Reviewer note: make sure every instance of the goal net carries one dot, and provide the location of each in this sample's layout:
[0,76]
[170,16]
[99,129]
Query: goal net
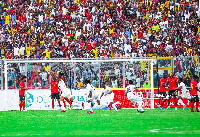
[114,72]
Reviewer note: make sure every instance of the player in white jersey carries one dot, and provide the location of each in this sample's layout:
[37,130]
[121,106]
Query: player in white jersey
[108,95]
[65,92]
[134,98]
[92,95]
[185,93]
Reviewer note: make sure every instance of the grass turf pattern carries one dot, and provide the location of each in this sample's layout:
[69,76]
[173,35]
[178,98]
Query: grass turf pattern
[125,122]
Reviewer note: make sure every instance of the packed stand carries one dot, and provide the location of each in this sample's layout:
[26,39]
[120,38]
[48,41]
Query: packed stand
[43,29]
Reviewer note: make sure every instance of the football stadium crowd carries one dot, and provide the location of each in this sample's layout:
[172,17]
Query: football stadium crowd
[42,29]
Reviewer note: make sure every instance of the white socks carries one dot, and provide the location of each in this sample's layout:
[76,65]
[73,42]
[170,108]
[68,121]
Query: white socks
[181,102]
[62,105]
[90,106]
[140,106]
[113,105]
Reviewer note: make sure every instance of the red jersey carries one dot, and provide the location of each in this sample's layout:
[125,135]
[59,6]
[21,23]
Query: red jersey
[21,85]
[162,80]
[193,88]
[172,82]
[54,87]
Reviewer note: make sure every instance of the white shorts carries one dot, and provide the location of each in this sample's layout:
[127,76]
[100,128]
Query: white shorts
[186,95]
[109,97]
[96,95]
[134,98]
[66,93]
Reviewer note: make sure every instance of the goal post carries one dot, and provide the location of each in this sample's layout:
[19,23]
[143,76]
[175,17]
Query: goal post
[108,70]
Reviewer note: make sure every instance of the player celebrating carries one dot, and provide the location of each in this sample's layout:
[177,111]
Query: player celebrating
[22,89]
[65,92]
[184,94]
[172,81]
[107,92]
[163,89]
[194,93]
[134,98]
[54,92]
[60,75]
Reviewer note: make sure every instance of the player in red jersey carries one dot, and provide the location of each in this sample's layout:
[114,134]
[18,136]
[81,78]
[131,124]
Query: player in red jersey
[194,93]
[54,91]
[22,89]
[172,82]
[163,90]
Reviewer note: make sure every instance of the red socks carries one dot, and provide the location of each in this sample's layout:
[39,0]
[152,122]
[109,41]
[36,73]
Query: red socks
[64,103]
[197,106]
[53,104]
[175,101]
[23,103]
[68,101]
[169,102]
[162,104]
[20,106]
[192,106]
[59,104]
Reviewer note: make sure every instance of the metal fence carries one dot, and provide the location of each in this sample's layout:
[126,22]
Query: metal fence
[115,74]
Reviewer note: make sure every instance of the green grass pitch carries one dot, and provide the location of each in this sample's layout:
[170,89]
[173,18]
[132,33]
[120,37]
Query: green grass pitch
[125,122]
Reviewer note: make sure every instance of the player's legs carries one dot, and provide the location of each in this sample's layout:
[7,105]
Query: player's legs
[111,98]
[52,99]
[62,104]
[139,102]
[192,103]
[197,103]
[20,102]
[58,99]
[90,102]
[175,102]
[163,99]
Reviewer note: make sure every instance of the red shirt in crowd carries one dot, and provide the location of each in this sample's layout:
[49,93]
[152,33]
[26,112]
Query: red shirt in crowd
[172,82]
[193,85]
[54,87]
[162,80]
[21,85]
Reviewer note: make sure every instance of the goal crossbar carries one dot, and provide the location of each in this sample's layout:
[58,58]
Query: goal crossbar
[6,62]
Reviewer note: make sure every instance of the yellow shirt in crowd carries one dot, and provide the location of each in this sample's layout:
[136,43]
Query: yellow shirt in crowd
[95,52]
[48,54]
[28,50]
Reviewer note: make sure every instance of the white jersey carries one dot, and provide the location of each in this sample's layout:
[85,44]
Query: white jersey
[133,98]
[90,88]
[62,85]
[107,90]
[64,90]
[183,89]
[130,89]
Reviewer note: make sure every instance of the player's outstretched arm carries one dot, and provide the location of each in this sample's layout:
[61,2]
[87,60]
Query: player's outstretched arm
[53,74]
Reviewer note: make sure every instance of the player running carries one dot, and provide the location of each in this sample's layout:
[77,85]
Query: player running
[22,89]
[54,91]
[194,93]
[184,93]
[134,98]
[65,92]
[92,95]
[163,90]
[172,81]
[109,95]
